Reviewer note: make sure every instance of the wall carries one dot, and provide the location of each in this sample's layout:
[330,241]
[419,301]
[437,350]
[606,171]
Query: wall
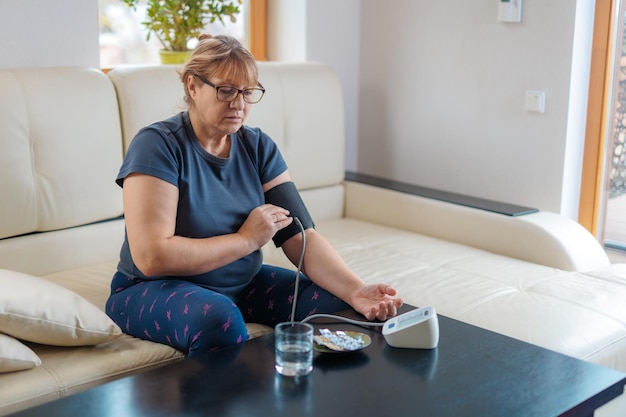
[442,88]
[439,99]
[44,33]
[324,31]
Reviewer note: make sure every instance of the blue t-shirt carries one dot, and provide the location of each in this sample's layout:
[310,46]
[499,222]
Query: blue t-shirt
[216,195]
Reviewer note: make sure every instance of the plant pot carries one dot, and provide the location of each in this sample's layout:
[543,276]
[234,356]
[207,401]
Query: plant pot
[174,57]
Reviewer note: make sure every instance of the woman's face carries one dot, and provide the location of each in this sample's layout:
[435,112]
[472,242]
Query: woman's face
[215,116]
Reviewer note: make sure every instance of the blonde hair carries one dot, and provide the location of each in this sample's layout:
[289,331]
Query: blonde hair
[223,57]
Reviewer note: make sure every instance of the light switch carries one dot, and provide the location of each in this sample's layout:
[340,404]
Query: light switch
[510,11]
[535,101]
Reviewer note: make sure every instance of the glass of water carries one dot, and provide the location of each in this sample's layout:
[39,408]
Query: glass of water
[294,348]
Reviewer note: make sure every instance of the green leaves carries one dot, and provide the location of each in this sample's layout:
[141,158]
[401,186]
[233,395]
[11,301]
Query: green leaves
[175,22]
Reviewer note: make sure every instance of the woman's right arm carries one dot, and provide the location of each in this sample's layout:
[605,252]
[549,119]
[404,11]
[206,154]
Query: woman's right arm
[150,210]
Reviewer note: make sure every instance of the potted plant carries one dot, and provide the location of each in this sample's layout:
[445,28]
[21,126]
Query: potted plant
[176,22]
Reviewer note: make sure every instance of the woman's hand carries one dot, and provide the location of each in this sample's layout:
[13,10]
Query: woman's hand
[376,301]
[263,222]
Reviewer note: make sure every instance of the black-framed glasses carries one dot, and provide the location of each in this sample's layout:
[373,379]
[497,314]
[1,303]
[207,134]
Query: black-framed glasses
[229,93]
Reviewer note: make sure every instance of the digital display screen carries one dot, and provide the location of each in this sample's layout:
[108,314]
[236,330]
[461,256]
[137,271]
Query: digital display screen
[410,319]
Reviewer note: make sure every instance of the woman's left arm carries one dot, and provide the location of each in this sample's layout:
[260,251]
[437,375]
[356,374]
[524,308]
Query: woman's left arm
[323,265]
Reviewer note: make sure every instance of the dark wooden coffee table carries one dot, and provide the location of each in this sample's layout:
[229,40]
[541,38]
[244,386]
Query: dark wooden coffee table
[473,372]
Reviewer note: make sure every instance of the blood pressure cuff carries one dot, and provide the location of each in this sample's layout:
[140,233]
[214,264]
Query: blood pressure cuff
[286,195]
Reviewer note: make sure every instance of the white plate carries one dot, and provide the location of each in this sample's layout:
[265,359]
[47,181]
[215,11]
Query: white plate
[356,335]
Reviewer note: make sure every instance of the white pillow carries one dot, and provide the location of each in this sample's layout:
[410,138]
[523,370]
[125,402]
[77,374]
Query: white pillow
[41,311]
[14,356]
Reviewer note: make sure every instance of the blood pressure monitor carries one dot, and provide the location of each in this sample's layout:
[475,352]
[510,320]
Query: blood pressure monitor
[416,329]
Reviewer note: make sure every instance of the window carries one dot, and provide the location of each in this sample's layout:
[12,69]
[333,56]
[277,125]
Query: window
[123,37]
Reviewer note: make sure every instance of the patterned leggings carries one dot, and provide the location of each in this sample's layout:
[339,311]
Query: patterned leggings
[195,320]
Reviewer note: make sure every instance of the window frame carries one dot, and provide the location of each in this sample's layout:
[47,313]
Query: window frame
[590,204]
[258,29]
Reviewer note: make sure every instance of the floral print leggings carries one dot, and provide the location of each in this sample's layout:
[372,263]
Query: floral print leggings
[196,320]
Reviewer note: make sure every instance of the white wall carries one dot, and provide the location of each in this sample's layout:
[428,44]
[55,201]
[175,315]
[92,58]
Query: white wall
[442,98]
[286,30]
[44,33]
[324,31]
[439,99]
[577,115]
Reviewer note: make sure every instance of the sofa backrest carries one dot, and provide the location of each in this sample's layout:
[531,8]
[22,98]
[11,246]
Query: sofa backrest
[61,147]
[302,110]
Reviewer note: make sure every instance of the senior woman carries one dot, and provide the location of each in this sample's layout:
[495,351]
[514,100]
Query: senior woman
[202,194]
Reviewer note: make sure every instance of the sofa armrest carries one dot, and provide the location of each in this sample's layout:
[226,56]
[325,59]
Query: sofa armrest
[538,237]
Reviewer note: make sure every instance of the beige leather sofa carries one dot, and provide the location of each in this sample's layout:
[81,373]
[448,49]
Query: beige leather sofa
[536,277]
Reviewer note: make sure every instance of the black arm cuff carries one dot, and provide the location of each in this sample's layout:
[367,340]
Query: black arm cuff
[286,195]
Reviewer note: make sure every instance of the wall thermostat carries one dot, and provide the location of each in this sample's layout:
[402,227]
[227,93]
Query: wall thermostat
[416,329]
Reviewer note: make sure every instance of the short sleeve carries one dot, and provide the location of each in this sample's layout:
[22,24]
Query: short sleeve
[152,152]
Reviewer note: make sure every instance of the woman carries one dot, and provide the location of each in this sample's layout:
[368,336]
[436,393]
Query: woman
[200,200]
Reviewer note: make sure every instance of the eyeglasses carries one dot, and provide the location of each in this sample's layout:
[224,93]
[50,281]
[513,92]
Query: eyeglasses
[228,93]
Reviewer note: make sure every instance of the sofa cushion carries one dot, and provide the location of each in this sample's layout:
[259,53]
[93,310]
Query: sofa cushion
[40,311]
[574,313]
[63,250]
[61,147]
[14,356]
[68,370]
